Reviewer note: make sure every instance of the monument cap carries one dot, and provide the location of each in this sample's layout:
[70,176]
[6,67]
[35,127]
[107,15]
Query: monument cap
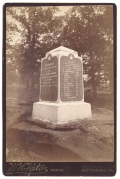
[61,49]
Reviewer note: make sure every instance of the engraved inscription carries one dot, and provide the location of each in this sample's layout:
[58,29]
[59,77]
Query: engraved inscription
[49,79]
[70,79]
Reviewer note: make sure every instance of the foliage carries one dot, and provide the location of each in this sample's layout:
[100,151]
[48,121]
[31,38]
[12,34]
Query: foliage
[32,31]
[35,26]
[89,30]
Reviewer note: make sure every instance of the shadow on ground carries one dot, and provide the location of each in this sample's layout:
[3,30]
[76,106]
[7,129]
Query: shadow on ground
[86,140]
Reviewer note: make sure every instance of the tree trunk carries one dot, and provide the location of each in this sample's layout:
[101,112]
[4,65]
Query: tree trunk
[111,86]
[93,82]
[30,81]
[27,81]
[99,77]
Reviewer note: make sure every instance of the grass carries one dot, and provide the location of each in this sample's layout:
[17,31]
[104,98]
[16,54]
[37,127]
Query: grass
[96,135]
[23,95]
[103,100]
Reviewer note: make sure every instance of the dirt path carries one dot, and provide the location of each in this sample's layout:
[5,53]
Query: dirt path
[87,140]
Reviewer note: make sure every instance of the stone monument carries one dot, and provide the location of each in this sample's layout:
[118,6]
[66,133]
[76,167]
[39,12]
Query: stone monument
[61,88]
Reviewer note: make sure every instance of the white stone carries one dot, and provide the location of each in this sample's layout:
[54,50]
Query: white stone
[61,112]
[62,51]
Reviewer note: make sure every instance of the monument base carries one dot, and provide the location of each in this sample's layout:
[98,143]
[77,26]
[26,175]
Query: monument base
[61,112]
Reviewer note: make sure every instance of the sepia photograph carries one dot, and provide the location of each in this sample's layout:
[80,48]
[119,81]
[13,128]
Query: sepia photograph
[59,89]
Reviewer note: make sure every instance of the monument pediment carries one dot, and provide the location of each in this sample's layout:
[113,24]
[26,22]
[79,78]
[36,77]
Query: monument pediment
[61,49]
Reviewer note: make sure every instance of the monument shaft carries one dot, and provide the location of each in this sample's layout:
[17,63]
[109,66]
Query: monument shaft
[61,88]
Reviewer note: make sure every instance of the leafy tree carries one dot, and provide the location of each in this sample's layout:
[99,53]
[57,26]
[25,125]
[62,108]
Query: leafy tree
[89,30]
[34,29]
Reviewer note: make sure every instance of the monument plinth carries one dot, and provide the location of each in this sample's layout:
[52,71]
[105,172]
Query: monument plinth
[61,88]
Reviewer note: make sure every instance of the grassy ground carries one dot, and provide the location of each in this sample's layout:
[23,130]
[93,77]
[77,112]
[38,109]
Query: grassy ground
[83,140]
[103,100]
